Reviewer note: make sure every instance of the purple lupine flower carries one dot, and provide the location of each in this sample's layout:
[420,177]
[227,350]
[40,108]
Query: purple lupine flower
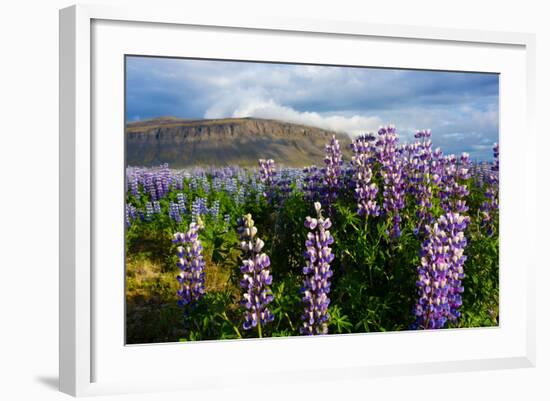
[131,214]
[441,271]
[198,208]
[489,207]
[205,185]
[452,188]
[217,184]
[365,191]
[332,172]
[182,200]
[214,210]
[191,264]
[312,181]
[419,177]
[164,178]
[127,217]
[259,191]
[230,186]
[194,183]
[149,185]
[156,207]
[296,175]
[231,183]
[284,183]
[256,279]
[159,187]
[178,181]
[239,199]
[481,172]
[256,186]
[174,212]
[198,179]
[133,179]
[267,171]
[267,176]
[348,172]
[392,173]
[457,245]
[317,273]
[149,212]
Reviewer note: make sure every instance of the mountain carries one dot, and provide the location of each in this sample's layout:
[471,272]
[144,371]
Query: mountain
[228,141]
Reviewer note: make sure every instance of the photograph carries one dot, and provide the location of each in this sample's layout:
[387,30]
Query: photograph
[271,199]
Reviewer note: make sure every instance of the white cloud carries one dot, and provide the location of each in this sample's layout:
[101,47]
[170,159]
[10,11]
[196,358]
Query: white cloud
[460,109]
[481,147]
[269,109]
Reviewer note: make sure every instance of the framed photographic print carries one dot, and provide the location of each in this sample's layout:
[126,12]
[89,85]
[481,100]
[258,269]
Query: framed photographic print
[337,199]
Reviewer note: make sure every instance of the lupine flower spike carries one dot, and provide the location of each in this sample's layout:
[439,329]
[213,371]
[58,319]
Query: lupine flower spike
[317,274]
[332,172]
[440,272]
[267,176]
[420,179]
[365,190]
[312,181]
[191,264]
[490,206]
[392,173]
[256,279]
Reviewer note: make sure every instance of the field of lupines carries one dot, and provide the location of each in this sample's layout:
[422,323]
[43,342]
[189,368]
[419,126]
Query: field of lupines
[400,237]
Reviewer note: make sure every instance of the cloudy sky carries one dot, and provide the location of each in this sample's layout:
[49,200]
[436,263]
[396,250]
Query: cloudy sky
[461,109]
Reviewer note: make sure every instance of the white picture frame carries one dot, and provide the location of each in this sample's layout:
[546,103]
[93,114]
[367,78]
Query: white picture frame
[94,360]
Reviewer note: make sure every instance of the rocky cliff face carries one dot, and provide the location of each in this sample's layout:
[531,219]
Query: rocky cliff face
[222,142]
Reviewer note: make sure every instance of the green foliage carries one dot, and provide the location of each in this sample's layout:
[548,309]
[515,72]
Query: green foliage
[286,306]
[373,286]
[338,322]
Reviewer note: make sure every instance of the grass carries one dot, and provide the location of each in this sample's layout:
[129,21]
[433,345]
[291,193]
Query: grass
[171,122]
[152,313]
[185,123]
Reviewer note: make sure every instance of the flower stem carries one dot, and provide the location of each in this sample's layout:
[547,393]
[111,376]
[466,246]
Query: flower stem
[259,326]
[235,328]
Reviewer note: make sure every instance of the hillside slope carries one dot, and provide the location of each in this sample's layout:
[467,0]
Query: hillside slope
[221,142]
